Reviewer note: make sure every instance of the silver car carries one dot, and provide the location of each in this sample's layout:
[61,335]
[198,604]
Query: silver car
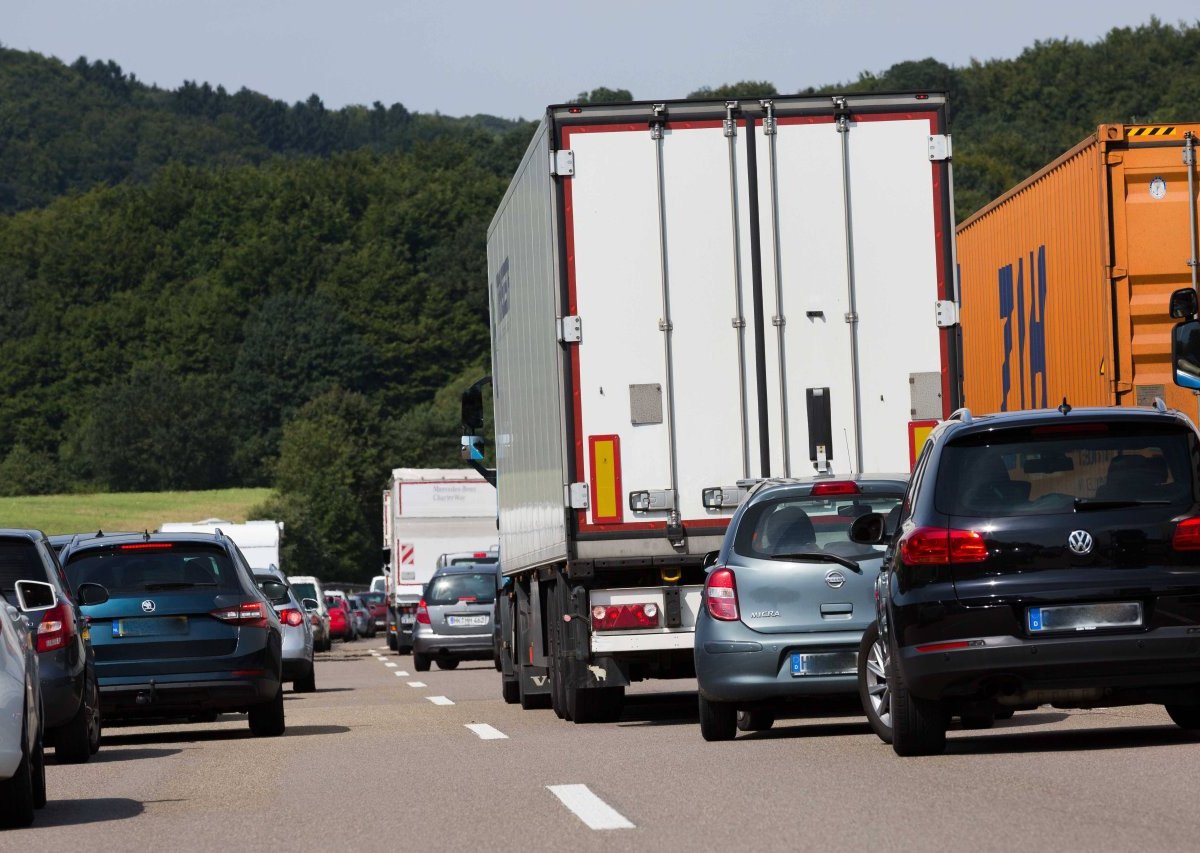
[298,666]
[788,599]
[454,618]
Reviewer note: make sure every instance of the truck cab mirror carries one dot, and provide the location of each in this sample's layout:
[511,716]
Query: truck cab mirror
[1185,353]
[472,408]
[1183,304]
[35,595]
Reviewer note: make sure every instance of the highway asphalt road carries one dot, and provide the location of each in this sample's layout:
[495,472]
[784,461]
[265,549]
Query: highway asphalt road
[385,758]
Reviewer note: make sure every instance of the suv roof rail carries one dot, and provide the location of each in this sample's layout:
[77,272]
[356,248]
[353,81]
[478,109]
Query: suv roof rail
[963,414]
[1159,404]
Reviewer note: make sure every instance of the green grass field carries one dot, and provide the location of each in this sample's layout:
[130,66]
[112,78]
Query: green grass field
[129,511]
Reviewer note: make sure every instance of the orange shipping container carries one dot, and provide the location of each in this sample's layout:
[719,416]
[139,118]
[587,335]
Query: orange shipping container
[1064,280]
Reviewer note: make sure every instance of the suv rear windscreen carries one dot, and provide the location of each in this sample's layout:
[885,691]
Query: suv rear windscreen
[150,567]
[1066,468]
[467,587]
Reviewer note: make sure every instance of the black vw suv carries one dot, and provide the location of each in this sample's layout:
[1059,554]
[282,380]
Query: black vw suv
[1039,557]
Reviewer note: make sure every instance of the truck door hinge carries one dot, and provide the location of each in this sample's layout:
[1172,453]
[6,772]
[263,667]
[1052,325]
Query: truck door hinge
[570,329]
[577,495]
[939,147]
[769,124]
[946,313]
[562,163]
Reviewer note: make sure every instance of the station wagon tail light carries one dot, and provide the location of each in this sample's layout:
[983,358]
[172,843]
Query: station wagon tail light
[616,617]
[939,546]
[249,614]
[837,487]
[291,616]
[1187,535]
[55,628]
[423,613]
[720,595]
[148,546]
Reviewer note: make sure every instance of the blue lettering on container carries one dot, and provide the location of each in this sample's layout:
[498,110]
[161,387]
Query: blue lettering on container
[1012,301]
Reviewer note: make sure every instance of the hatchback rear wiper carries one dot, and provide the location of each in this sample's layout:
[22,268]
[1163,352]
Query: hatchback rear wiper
[820,557]
[1084,504]
[174,585]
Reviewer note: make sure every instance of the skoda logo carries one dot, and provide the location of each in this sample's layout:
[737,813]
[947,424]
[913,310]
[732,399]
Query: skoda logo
[147,606]
[1080,541]
[835,579]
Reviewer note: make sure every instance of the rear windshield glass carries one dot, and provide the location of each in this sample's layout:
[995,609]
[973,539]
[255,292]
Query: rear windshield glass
[793,526]
[19,561]
[467,587]
[1066,468]
[332,603]
[132,569]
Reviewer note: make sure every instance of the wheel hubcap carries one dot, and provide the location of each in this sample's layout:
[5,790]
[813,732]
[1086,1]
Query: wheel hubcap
[877,684]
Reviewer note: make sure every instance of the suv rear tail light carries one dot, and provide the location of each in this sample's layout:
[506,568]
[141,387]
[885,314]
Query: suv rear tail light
[422,613]
[939,546]
[615,617]
[836,487]
[55,628]
[291,616]
[249,614]
[148,546]
[720,595]
[1187,535]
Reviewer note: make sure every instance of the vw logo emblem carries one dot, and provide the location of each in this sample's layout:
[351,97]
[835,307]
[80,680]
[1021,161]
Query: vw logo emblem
[147,606]
[835,579]
[1080,541]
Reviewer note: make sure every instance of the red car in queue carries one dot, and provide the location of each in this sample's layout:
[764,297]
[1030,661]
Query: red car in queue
[340,626]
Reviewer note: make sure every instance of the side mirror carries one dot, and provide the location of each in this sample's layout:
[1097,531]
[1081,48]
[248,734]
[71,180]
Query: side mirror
[1183,304]
[91,593]
[1185,353]
[35,595]
[869,529]
[472,408]
[311,604]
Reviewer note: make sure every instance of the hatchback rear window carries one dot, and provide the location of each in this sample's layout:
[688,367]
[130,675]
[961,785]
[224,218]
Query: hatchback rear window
[179,567]
[465,587]
[1066,468]
[791,526]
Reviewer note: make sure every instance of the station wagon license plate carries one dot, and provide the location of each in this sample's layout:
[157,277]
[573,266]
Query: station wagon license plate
[154,627]
[824,663]
[466,621]
[1084,617]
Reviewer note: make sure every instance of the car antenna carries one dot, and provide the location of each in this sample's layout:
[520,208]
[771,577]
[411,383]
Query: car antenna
[146,534]
[1065,408]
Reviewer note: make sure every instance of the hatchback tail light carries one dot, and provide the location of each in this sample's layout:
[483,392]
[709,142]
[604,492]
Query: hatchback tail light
[614,617]
[939,546]
[1187,535]
[55,629]
[291,616]
[720,595]
[249,614]
[422,613]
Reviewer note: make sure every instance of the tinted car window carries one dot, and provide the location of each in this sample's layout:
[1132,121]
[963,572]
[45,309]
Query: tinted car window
[467,586]
[796,525]
[374,598]
[305,590]
[125,569]
[18,562]
[1050,469]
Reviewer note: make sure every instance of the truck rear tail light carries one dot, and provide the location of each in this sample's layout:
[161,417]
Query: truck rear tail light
[940,546]
[1187,535]
[55,628]
[423,613]
[249,614]
[616,617]
[720,595]
[291,616]
[835,487]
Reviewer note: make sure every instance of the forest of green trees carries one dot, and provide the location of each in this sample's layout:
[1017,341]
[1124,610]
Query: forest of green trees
[201,289]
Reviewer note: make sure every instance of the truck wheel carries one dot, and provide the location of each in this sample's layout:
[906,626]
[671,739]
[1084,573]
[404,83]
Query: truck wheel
[266,720]
[1185,716]
[595,704]
[558,665]
[420,662]
[718,720]
[918,725]
[391,641]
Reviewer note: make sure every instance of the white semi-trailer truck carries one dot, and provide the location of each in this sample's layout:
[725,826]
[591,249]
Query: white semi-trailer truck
[687,297]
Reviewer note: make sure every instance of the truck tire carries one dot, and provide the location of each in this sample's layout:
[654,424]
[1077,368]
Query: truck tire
[718,720]
[595,704]
[391,641]
[558,664]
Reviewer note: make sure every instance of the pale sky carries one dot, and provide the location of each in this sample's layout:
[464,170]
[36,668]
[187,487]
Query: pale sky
[512,58]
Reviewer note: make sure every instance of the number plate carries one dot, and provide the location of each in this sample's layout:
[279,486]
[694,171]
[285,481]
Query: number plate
[406,618]
[466,621]
[824,663]
[1084,617]
[154,627]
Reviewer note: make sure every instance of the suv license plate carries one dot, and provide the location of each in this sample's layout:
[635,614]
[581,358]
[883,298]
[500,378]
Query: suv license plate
[824,663]
[466,621]
[1084,617]
[155,626]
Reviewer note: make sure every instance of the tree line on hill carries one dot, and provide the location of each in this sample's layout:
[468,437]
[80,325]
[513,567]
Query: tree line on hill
[201,289]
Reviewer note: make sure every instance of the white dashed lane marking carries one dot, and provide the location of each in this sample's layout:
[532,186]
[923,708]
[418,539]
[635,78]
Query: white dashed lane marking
[589,808]
[402,673]
[416,684]
[439,700]
[487,732]
[391,665]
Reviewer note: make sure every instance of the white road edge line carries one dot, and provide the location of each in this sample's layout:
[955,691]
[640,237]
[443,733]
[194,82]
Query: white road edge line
[589,808]
[416,684]
[487,732]
[402,673]
[439,700]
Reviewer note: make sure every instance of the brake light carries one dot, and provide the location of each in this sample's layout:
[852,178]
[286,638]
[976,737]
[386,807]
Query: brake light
[837,487]
[148,546]
[944,647]
[614,617]
[468,598]
[55,628]
[939,546]
[1187,535]
[720,595]
[422,613]
[291,616]
[250,614]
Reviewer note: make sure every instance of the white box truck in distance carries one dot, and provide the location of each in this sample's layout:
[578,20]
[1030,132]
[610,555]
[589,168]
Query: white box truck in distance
[687,297]
[428,512]
[258,539]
